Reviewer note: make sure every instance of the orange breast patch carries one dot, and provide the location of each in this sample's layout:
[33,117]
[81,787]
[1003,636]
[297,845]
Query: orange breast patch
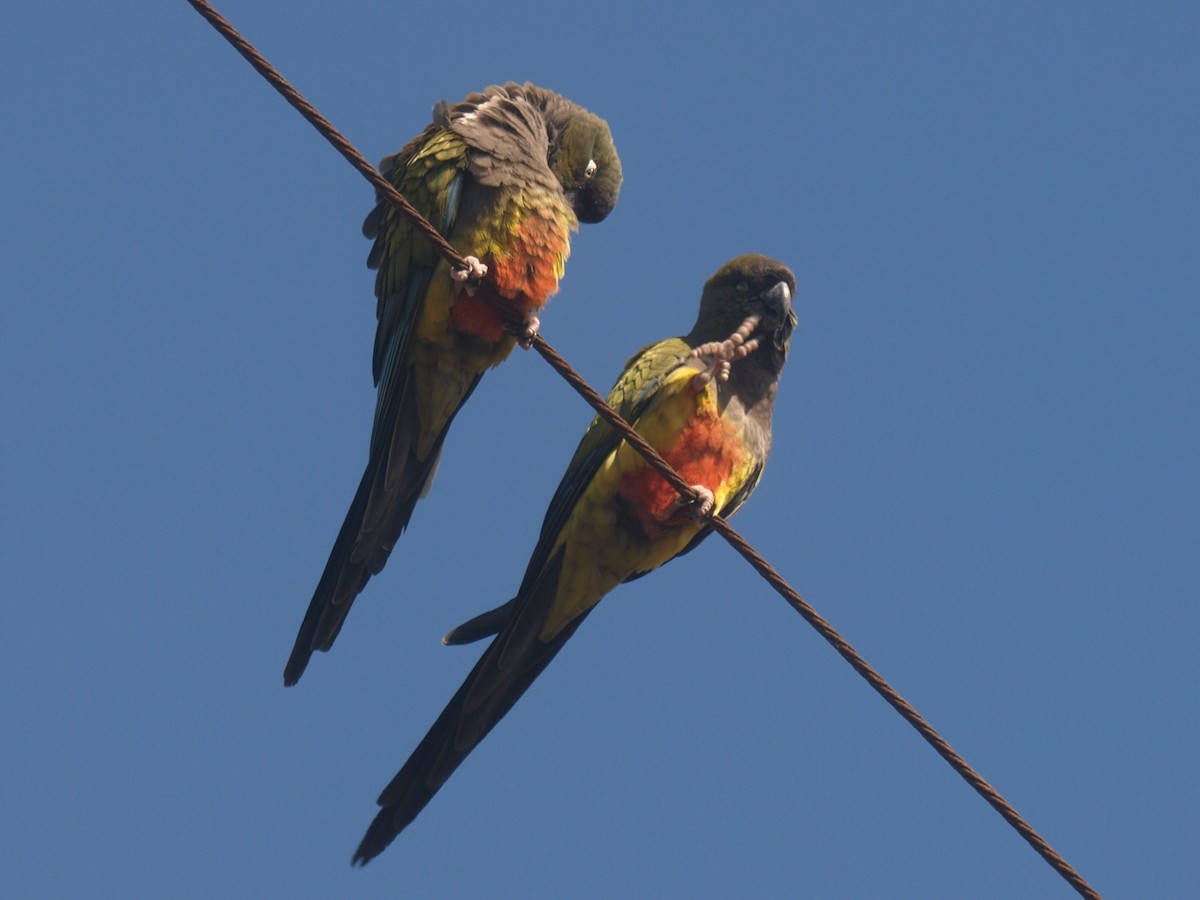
[527,274]
[704,453]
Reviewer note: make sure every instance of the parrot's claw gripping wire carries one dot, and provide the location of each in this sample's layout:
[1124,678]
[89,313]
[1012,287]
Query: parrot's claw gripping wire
[698,507]
[469,275]
[527,330]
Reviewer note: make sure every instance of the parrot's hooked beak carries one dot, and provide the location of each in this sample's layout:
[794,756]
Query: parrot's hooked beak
[588,209]
[778,300]
[780,318]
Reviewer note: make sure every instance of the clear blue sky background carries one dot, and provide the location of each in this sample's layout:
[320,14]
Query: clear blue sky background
[985,470]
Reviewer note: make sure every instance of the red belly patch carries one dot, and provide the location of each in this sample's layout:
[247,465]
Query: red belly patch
[475,316]
[704,453]
[526,276]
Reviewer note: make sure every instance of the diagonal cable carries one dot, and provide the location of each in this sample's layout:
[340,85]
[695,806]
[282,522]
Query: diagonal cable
[325,127]
[827,631]
[660,465]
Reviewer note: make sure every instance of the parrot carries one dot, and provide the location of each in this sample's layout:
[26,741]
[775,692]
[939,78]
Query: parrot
[506,175]
[704,401]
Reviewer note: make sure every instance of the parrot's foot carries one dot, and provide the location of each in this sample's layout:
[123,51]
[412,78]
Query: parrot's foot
[468,276]
[700,507]
[723,354]
[527,330]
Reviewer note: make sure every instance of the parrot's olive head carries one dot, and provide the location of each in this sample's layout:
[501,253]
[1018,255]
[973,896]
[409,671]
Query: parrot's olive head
[749,285]
[587,166]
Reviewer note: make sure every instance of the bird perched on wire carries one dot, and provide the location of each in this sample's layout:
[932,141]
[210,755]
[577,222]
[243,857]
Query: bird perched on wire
[704,401]
[506,175]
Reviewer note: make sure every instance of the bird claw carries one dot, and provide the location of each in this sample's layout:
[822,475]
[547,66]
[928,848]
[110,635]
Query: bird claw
[698,507]
[527,330]
[468,276]
[722,355]
[717,370]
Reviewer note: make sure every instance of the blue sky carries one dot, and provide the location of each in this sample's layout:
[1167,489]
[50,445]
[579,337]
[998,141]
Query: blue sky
[984,472]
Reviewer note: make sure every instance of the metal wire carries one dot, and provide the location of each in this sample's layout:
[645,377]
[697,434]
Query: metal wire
[660,465]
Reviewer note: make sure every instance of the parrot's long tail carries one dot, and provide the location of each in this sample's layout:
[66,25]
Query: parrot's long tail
[395,479]
[387,494]
[357,555]
[510,664]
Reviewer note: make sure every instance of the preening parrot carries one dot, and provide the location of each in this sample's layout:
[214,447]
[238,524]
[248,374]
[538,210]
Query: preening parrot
[506,175]
[704,401]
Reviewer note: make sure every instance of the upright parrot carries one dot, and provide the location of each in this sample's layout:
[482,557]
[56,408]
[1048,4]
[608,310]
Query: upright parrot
[704,401]
[506,175]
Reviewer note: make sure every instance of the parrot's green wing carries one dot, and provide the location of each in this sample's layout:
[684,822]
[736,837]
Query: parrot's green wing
[630,397]
[429,172]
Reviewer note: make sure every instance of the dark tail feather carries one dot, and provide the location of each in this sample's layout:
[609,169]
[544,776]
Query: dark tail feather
[394,481]
[340,583]
[504,672]
[483,625]
[350,566]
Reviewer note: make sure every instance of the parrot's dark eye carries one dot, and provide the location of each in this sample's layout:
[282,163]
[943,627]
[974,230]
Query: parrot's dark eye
[590,169]
[742,287]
